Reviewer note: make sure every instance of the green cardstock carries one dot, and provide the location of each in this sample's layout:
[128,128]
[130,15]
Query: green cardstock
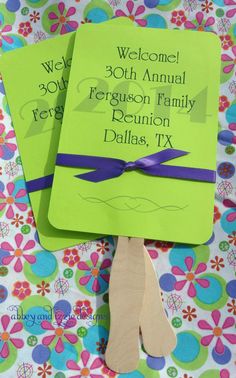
[138,91]
[35,80]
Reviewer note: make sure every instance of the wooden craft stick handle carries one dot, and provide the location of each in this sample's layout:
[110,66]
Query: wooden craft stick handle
[126,291]
[159,338]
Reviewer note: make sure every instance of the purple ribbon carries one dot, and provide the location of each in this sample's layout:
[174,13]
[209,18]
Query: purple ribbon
[107,168]
[39,183]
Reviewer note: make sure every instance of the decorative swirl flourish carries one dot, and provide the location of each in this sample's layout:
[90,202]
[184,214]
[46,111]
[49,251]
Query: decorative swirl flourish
[128,203]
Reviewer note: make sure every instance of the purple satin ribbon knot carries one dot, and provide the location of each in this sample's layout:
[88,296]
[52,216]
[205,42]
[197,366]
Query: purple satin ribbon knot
[108,168]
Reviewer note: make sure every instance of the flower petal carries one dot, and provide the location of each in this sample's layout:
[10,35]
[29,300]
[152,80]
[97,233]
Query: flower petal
[83,266]
[177,271]
[5,351]
[71,322]
[230,337]
[210,21]
[84,280]
[52,16]
[63,29]
[18,343]
[10,188]
[192,290]
[120,13]
[10,212]
[141,22]
[130,6]
[47,340]
[219,347]
[61,7]
[47,325]
[180,284]
[139,10]
[203,282]
[10,134]
[96,285]
[17,327]
[5,320]
[189,25]
[18,240]
[7,259]
[29,245]
[97,363]
[2,128]
[229,322]
[7,246]
[54,27]
[18,265]
[226,58]
[31,259]
[72,365]
[11,146]
[216,316]
[94,258]
[2,205]
[71,11]
[21,206]
[71,338]
[203,324]
[199,17]
[105,277]
[85,355]
[59,346]
[200,268]
[105,264]
[189,262]
[228,68]
[73,24]
[8,39]
[206,340]
[21,193]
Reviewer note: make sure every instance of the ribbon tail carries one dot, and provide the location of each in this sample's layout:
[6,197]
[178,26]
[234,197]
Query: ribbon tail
[186,173]
[100,175]
[39,183]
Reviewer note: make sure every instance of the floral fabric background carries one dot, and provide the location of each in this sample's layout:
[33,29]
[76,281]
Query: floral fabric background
[54,306]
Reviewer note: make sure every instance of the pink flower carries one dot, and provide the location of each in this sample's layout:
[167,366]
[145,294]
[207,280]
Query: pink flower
[3,35]
[230,13]
[130,7]
[226,41]
[228,58]
[190,276]
[12,199]
[25,28]
[217,331]
[7,149]
[85,367]
[202,25]
[59,331]
[95,276]
[21,290]
[18,253]
[178,17]
[6,337]
[62,20]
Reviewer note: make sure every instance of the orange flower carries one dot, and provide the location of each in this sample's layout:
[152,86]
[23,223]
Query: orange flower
[189,313]
[217,263]
[217,214]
